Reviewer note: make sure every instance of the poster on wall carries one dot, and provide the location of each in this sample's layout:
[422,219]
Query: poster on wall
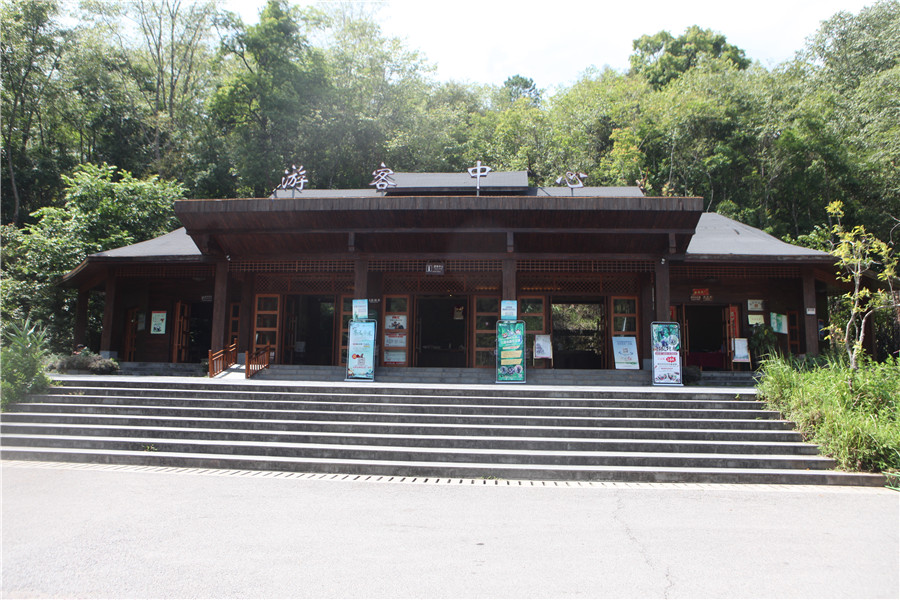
[361,351]
[395,340]
[665,343]
[395,321]
[510,351]
[625,352]
[778,323]
[394,357]
[158,322]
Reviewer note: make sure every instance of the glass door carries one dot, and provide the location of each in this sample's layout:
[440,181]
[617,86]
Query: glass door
[266,322]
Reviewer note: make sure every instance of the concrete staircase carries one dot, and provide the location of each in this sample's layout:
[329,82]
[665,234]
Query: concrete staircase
[442,430]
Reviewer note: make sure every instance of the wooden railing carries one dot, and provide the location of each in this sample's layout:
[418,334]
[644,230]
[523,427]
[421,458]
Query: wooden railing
[257,361]
[221,360]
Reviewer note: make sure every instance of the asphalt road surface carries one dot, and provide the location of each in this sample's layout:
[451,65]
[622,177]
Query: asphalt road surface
[125,532]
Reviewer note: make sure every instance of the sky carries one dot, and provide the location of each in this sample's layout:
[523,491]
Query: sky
[554,41]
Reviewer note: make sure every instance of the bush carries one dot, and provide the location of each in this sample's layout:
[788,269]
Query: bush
[854,415]
[22,358]
[85,361]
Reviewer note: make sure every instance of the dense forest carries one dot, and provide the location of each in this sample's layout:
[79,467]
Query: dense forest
[159,99]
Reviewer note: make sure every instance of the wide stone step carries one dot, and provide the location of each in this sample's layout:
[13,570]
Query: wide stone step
[423,454]
[406,428]
[124,395]
[622,444]
[450,470]
[430,405]
[629,418]
[460,390]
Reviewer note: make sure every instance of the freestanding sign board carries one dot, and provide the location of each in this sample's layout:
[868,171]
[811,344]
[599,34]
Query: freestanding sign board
[510,351]
[361,350]
[625,352]
[665,343]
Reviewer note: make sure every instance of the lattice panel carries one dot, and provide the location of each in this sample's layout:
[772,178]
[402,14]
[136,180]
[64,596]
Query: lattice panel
[304,285]
[598,286]
[418,266]
[166,271]
[291,266]
[735,272]
[585,266]
[428,284]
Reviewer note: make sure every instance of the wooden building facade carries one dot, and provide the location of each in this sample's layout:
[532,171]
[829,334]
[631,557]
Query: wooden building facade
[435,254]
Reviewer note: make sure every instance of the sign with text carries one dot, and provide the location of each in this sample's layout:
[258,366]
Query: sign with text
[158,322]
[361,351]
[542,346]
[665,343]
[510,351]
[361,309]
[625,352]
[509,310]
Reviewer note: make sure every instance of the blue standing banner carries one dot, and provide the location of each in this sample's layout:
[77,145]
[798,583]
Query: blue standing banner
[361,350]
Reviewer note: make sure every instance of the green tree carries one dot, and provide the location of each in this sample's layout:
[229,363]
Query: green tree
[30,51]
[860,255]
[105,208]
[277,80]
[662,58]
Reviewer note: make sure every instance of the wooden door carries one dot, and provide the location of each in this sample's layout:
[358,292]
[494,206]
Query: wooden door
[732,326]
[181,332]
[128,347]
[266,322]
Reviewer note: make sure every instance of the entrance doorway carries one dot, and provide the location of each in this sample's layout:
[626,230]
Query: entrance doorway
[441,331]
[309,330]
[200,327]
[706,337]
[579,333]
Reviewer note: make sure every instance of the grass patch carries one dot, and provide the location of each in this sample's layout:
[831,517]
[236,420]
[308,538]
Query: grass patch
[854,415]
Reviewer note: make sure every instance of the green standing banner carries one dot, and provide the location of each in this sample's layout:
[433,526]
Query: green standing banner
[510,351]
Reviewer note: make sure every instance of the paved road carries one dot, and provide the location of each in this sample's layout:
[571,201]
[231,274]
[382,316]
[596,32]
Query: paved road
[102,531]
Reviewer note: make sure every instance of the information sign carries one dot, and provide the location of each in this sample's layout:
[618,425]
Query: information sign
[361,309]
[510,351]
[158,322]
[542,346]
[665,343]
[509,310]
[361,350]
[625,352]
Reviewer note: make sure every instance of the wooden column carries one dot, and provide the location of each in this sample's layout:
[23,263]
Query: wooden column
[662,290]
[81,316]
[810,321]
[509,279]
[109,313]
[248,293]
[220,307]
[361,279]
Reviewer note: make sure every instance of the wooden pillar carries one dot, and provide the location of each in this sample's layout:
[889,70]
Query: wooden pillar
[662,290]
[810,321]
[81,316]
[361,279]
[509,279]
[109,314]
[220,307]
[245,330]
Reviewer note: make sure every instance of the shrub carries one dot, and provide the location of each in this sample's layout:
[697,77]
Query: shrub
[85,361]
[854,415]
[22,358]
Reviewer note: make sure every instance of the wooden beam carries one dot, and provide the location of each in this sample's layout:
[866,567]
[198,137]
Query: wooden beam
[810,321]
[360,278]
[220,307]
[197,233]
[510,242]
[662,290]
[509,279]
[109,313]
[81,315]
